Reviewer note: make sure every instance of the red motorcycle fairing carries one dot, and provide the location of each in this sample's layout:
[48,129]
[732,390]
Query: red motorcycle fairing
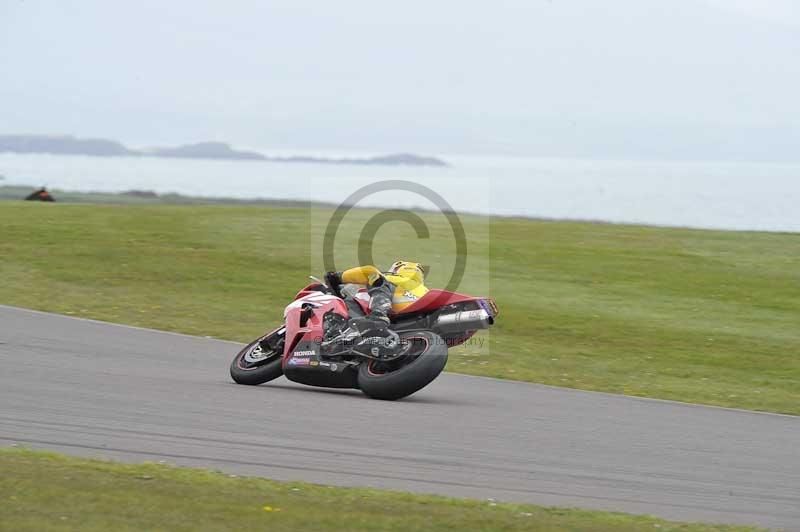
[309,289]
[303,318]
[435,299]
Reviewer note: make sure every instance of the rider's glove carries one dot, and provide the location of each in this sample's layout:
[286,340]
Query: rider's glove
[333,280]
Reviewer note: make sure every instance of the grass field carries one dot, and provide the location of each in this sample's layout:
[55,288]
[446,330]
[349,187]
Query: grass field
[45,491]
[700,316]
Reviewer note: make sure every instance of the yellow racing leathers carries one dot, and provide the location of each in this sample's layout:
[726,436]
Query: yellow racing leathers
[394,290]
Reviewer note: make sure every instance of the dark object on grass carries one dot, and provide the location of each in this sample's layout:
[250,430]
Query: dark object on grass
[40,195]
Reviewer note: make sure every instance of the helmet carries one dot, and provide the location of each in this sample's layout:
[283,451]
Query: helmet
[409,270]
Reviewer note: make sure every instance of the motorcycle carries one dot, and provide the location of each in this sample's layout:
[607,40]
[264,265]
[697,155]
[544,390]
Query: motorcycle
[320,345]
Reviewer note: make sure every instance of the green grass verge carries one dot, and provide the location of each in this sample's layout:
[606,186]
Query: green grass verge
[42,491]
[700,316]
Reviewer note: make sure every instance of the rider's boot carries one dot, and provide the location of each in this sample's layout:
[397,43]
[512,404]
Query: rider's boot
[377,321]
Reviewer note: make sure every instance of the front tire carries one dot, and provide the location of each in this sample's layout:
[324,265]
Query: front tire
[381,380]
[260,360]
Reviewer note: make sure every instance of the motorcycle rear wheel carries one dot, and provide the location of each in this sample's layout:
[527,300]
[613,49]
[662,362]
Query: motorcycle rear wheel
[408,374]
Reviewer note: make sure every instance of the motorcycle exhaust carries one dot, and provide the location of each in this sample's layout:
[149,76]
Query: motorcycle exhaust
[466,320]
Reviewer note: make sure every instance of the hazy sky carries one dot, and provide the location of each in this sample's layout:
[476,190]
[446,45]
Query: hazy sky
[625,78]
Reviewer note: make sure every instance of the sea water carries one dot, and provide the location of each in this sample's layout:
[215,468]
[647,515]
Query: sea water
[721,195]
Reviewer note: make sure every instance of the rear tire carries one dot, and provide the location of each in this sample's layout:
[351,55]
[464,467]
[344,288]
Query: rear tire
[409,378]
[252,374]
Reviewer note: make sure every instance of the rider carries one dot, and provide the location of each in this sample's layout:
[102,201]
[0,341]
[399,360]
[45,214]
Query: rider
[394,290]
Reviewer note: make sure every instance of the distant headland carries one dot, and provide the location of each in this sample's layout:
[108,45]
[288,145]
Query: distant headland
[69,145]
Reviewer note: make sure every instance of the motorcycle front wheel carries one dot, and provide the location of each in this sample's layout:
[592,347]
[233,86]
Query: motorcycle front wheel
[260,360]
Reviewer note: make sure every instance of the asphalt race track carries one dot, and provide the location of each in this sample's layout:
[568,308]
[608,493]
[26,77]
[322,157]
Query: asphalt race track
[103,390]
